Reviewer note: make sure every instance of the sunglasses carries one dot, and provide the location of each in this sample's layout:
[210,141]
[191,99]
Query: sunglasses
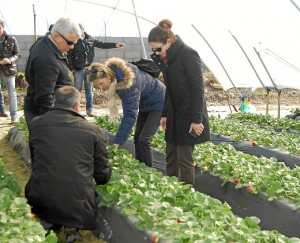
[69,43]
[158,49]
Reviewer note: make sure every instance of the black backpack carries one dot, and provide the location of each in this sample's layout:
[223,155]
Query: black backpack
[148,66]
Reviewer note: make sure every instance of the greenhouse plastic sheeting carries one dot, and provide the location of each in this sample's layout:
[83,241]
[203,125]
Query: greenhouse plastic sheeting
[276,215]
[114,227]
[290,160]
[18,141]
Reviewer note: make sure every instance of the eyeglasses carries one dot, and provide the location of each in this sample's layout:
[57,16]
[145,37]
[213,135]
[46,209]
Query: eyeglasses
[158,49]
[69,43]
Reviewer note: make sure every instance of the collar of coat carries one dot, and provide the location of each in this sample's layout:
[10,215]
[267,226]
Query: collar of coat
[124,74]
[66,108]
[173,51]
[55,48]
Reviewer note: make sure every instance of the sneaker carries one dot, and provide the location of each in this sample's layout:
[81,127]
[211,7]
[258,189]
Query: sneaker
[14,119]
[89,113]
[3,114]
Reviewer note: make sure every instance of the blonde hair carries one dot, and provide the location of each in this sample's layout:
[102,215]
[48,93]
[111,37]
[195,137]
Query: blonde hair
[98,70]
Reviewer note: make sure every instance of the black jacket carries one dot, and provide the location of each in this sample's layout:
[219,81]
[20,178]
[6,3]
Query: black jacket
[184,101]
[83,53]
[67,152]
[9,48]
[46,70]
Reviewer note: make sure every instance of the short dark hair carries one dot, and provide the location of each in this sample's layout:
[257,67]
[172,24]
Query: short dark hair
[67,95]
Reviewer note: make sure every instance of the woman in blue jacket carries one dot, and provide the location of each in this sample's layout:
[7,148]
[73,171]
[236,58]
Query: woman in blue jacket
[142,99]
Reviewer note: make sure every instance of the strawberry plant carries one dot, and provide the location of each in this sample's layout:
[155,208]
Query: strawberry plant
[266,120]
[172,211]
[266,175]
[17,225]
[263,136]
[21,125]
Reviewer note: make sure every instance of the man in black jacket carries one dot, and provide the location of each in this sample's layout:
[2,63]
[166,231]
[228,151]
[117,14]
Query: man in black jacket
[46,68]
[82,56]
[67,153]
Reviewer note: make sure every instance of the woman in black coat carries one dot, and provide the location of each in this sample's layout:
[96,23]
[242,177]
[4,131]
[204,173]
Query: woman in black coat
[184,117]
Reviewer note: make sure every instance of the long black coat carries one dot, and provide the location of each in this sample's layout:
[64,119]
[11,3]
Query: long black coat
[184,102]
[67,152]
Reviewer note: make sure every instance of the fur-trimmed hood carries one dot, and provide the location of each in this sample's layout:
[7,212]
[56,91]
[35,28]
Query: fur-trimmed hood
[124,74]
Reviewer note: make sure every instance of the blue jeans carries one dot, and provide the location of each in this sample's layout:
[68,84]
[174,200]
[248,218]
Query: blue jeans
[146,126]
[79,78]
[2,107]
[12,95]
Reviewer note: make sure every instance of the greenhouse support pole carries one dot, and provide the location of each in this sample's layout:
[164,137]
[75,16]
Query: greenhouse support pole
[141,37]
[267,105]
[248,59]
[235,109]
[265,67]
[250,63]
[34,24]
[279,101]
[274,84]
[296,6]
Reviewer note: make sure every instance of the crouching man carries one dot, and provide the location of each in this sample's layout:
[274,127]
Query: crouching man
[67,153]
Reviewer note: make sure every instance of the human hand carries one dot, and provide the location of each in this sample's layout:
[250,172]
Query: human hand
[197,127]
[116,145]
[120,45]
[6,61]
[163,123]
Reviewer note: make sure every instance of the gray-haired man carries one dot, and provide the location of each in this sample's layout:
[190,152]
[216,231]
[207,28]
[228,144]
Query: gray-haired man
[46,68]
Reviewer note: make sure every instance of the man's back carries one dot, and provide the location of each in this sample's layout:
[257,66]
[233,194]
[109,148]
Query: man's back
[67,153]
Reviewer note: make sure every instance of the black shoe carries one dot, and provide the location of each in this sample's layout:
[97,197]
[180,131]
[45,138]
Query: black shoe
[49,226]
[3,114]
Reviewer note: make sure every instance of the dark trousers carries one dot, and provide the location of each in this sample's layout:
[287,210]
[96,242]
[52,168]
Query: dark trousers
[146,127]
[180,162]
[29,116]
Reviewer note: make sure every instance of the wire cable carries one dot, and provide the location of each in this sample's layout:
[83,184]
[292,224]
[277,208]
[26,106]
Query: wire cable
[280,59]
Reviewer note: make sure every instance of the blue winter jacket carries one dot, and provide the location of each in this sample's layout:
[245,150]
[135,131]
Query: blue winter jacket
[138,91]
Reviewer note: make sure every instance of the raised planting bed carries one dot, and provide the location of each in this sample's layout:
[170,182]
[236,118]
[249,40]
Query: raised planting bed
[171,211]
[268,197]
[257,141]
[253,148]
[265,121]
[164,210]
